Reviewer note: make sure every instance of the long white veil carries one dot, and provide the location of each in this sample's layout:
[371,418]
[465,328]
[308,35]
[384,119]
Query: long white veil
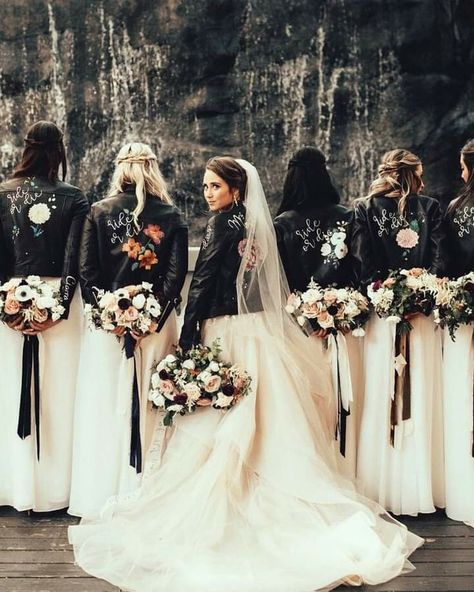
[262,287]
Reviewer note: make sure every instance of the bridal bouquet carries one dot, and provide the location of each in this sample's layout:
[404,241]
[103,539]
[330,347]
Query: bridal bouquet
[331,309]
[404,292]
[455,303]
[133,307]
[197,378]
[31,298]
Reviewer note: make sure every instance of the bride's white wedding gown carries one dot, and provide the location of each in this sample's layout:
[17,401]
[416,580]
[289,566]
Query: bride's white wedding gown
[246,501]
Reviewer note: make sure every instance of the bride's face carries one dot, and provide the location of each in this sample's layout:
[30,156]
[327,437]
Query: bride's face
[217,192]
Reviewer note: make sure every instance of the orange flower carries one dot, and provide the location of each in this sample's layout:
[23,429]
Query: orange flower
[154,232]
[132,247]
[147,259]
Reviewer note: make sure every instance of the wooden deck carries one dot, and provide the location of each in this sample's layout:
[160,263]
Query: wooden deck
[36,557]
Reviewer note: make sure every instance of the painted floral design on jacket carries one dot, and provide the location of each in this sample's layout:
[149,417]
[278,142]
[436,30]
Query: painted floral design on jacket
[334,247]
[143,255]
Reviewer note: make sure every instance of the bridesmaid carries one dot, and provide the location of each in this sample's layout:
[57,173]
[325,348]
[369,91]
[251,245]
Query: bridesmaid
[458,357]
[405,476]
[41,220]
[110,438]
[313,232]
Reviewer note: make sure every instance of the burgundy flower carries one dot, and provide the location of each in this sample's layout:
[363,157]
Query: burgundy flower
[180,399]
[124,303]
[163,375]
[377,285]
[228,390]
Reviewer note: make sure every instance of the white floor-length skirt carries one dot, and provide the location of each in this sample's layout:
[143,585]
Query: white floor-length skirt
[102,423]
[244,500]
[458,367]
[407,478]
[25,482]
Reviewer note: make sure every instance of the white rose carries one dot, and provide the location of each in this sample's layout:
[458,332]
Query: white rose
[108,300]
[351,309]
[189,364]
[55,316]
[108,327]
[170,359]
[338,237]
[290,309]
[359,332]
[138,301]
[193,391]
[214,367]
[33,280]
[147,286]
[222,401]
[393,319]
[45,302]
[203,376]
[47,290]
[311,295]
[39,213]
[326,250]
[155,380]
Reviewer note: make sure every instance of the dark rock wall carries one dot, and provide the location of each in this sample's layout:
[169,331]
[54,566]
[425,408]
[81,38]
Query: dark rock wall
[256,78]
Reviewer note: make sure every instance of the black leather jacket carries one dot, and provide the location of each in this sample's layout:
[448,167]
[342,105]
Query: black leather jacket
[115,253]
[212,292]
[384,240]
[40,230]
[314,244]
[460,231]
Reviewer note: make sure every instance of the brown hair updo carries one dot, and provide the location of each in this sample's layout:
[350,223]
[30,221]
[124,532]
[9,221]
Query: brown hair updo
[398,177]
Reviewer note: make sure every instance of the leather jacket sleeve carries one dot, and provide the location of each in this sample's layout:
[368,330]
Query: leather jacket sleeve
[362,256]
[89,267]
[3,262]
[175,273]
[70,271]
[438,241]
[204,277]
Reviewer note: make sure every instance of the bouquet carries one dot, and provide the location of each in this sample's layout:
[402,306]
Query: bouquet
[133,307]
[455,303]
[31,298]
[403,293]
[331,309]
[197,378]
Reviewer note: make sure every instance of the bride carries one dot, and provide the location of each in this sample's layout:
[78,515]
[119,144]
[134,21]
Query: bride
[248,500]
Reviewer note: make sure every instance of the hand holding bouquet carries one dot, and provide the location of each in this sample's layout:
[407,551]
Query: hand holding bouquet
[330,309]
[30,299]
[197,378]
[134,308]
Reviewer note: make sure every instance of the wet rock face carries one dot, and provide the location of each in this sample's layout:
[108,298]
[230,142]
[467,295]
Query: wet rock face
[254,78]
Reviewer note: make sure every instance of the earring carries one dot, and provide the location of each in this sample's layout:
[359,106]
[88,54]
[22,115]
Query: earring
[236,199]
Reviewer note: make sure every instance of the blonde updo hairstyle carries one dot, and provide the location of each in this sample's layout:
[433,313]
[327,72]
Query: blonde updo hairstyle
[137,165]
[398,177]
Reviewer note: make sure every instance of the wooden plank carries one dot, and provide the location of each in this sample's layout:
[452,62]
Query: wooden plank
[12,532]
[55,585]
[446,555]
[450,543]
[31,544]
[425,584]
[64,556]
[439,530]
[22,520]
[40,570]
[443,569]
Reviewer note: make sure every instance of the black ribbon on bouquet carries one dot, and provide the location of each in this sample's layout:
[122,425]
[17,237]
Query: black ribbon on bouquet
[30,374]
[135,440]
[342,414]
[402,391]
